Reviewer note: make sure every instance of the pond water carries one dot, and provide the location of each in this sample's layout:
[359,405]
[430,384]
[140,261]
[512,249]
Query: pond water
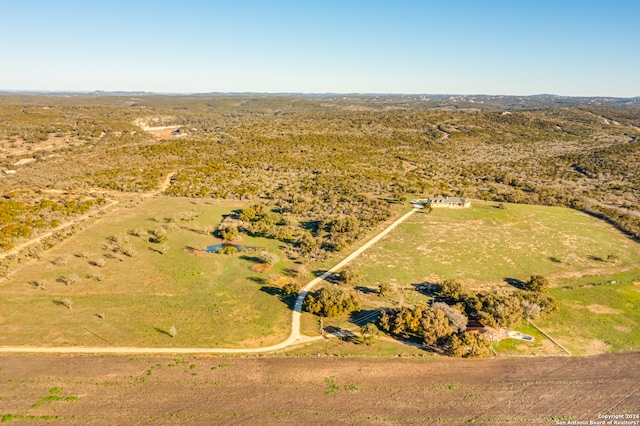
[217,247]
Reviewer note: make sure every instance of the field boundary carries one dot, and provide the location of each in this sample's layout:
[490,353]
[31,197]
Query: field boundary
[550,338]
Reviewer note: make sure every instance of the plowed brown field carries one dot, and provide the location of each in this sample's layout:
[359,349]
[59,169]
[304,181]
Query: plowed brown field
[324,390]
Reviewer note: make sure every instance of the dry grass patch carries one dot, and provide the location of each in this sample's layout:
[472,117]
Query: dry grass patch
[602,309]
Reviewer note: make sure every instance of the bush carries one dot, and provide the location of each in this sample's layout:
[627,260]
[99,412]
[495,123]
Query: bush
[537,283]
[172,331]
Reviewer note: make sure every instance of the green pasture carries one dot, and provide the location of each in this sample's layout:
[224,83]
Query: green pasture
[597,314]
[212,300]
[483,245]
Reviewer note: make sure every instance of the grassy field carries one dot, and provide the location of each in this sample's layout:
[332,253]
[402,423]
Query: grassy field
[216,300]
[483,245]
[213,300]
[597,314]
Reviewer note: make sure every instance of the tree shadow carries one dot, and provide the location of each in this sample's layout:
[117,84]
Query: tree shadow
[62,302]
[161,331]
[252,259]
[258,280]
[343,334]
[361,318]
[334,278]
[290,272]
[365,290]
[554,259]
[427,288]
[155,249]
[290,301]
[36,284]
[596,258]
[270,289]
[514,282]
[310,225]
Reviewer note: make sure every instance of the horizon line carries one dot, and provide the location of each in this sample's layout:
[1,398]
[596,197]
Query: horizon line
[145,92]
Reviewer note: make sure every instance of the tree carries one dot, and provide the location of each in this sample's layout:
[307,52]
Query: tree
[467,345]
[546,303]
[231,250]
[455,347]
[247,215]
[268,258]
[331,301]
[128,250]
[158,235]
[537,283]
[229,233]
[302,272]
[290,289]
[369,331]
[384,289]
[349,276]
[436,327]
[499,310]
[456,318]
[450,289]
[530,310]
[68,279]
[385,321]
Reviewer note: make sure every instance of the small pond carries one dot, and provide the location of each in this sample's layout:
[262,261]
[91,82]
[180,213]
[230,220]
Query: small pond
[219,247]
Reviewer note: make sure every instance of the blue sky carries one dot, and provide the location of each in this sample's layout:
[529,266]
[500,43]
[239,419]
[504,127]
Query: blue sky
[515,47]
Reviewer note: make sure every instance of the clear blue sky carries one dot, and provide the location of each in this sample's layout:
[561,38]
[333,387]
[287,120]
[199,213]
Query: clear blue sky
[511,47]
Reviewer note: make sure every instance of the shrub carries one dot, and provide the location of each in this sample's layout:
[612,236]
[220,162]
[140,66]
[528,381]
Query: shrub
[537,283]
[172,331]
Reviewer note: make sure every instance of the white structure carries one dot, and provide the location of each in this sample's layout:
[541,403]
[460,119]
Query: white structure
[24,161]
[443,202]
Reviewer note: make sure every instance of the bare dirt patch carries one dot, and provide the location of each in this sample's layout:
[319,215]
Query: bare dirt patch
[597,347]
[262,268]
[319,390]
[602,309]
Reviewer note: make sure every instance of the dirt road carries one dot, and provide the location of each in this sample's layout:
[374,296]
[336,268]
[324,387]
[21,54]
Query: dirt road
[161,188]
[40,238]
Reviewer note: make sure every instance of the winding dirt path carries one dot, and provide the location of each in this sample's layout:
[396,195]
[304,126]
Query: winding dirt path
[19,247]
[161,188]
[296,337]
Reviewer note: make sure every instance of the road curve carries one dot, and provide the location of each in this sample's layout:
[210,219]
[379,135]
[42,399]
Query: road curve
[294,338]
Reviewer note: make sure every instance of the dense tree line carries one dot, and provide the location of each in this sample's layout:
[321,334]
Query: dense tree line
[443,324]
